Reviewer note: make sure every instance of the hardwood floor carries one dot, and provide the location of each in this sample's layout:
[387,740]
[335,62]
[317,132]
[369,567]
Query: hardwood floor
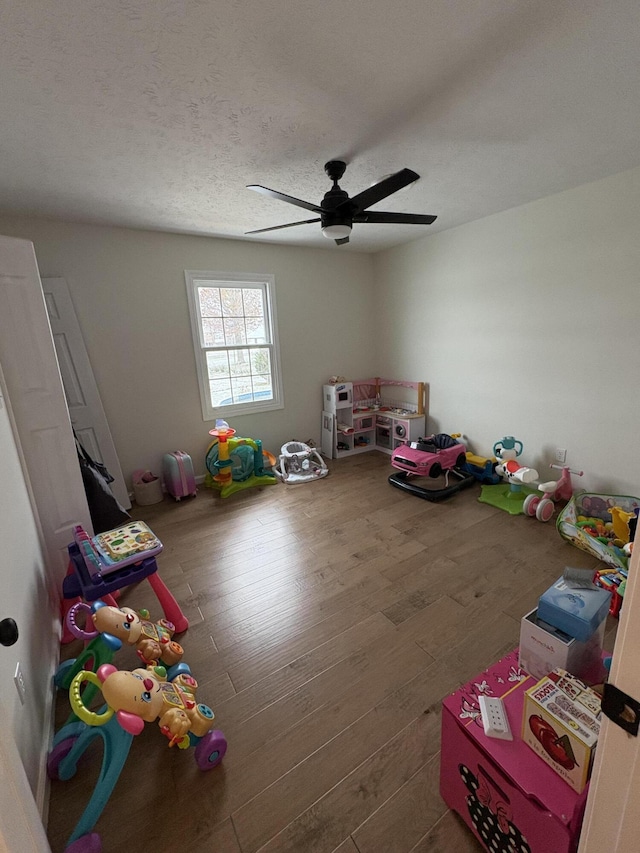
[327,623]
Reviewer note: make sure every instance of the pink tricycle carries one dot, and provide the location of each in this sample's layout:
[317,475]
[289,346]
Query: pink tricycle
[542,506]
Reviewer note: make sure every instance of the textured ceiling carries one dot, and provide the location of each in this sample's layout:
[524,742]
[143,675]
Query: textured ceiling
[157,113]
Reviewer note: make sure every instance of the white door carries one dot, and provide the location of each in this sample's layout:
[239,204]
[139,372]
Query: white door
[612,819]
[20,825]
[40,413]
[40,423]
[83,398]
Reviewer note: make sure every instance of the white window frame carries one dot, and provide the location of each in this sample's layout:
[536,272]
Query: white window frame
[194,279]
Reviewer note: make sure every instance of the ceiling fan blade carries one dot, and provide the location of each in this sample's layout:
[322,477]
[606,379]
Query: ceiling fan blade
[400,218]
[342,241]
[278,227]
[384,188]
[282,197]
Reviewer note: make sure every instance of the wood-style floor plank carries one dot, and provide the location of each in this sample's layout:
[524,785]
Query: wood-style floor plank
[449,834]
[327,623]
[404,818]
[297,791]
[359,793]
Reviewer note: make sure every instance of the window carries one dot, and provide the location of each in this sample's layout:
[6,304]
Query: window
[233,320]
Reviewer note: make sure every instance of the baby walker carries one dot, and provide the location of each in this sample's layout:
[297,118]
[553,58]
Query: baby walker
[299,463]
[438,456]
[132,698]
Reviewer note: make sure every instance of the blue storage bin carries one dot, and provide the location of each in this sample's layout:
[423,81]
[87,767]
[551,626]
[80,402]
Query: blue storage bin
[577,612]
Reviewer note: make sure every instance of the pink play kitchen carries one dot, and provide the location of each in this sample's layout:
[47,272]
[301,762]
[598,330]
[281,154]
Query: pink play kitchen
[371,414]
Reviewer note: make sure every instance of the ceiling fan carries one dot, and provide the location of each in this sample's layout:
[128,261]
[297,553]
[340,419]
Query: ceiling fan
[338,212]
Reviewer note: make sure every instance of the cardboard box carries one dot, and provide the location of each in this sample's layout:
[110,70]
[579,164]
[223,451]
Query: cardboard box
[576,611]
[544,648]
[561,724]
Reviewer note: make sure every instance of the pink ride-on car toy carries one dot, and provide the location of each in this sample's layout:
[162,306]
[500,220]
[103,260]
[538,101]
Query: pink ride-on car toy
[429,457]
[426,460]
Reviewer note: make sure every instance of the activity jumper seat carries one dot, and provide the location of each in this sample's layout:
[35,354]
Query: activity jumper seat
[234,464]
[299,463]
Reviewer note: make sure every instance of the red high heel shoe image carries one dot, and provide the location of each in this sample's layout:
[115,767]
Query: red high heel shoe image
[557,748]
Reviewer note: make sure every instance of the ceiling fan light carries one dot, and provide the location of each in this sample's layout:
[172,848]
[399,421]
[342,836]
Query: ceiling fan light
[336,232]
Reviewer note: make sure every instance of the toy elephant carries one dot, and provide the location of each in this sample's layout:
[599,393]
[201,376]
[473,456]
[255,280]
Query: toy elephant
[153,640]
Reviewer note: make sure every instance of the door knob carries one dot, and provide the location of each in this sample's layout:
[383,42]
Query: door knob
[8,632]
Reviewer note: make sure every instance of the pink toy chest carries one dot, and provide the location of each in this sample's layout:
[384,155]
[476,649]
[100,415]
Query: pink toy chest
[512,801]
[179,479]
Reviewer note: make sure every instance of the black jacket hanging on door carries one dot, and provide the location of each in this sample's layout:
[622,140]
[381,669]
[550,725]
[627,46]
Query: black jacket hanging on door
[104,508]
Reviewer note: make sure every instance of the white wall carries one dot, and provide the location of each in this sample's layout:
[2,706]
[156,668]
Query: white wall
[526,323]
[523,323]
[129,293]
[25,599]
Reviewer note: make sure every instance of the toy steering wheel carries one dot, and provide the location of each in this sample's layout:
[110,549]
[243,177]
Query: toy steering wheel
[508,443]
[91,718]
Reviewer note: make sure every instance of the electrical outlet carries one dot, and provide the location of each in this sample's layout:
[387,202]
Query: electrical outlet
[561,454]
[21,687]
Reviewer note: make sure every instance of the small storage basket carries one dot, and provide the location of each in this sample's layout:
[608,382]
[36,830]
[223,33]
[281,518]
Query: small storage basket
[147,488]
[592,505]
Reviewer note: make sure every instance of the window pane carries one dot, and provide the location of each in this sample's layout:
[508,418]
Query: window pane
[231,298]
[217,364]
[241,389]
[234,332]
[261,361]
[220,392]
[240,362]
[212,332]
[253,302]
[255,330]
[210,302]
[263,387]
